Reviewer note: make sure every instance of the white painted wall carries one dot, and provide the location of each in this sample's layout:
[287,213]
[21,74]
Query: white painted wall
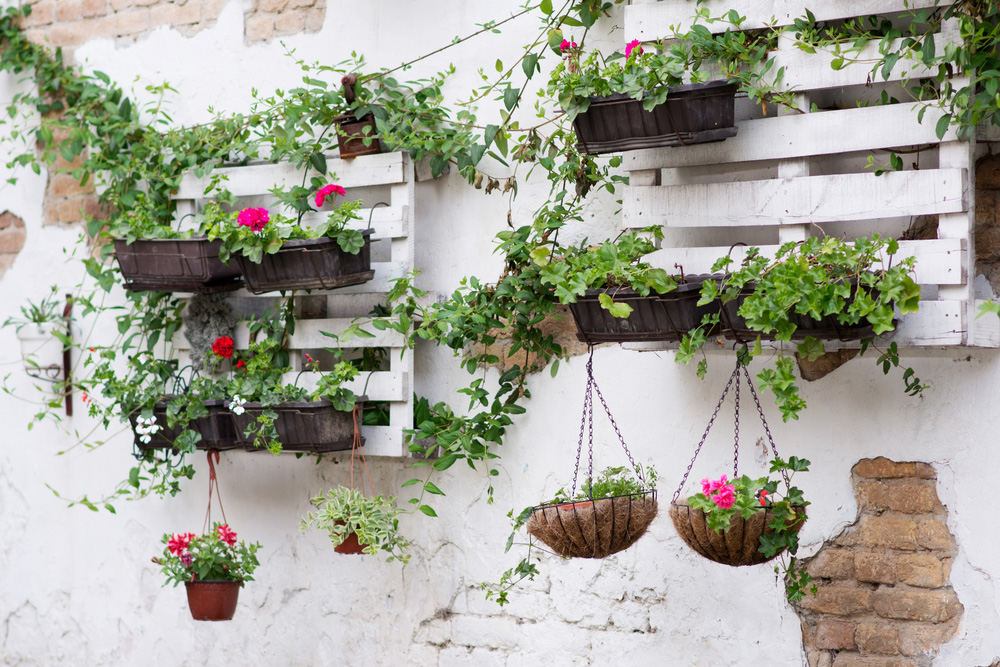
[78,588]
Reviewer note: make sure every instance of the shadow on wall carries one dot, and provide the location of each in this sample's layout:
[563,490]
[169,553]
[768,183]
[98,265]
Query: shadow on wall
[883,582]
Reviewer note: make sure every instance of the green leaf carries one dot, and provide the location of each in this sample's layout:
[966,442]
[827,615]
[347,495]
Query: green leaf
[942,125]
[125,110]
[489,134]
[546,7]
[427,510]
[616,309]
[510,97]
[529,64]
[318,161]
[811,349]
[431,488]
[499,65]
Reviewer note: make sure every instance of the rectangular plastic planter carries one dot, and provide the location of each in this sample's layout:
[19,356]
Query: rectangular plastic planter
[352,141]
[306,426]
[308,264]
[175,265]
[693,113]
[217,428]
[657,317]
[827,328]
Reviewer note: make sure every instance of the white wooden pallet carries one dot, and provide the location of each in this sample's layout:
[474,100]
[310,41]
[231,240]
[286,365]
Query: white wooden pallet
[816,161]
[392,223]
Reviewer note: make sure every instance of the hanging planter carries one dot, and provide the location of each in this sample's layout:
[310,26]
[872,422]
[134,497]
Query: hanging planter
[745,521]
[308,264]
[356,134]
[610,513]
[213,600]
[656,317]
[175,265]
[217,429]
[693,113]
[302,426]
[41,349]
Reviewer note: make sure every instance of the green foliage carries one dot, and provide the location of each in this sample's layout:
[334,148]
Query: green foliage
[207,557]
[344,510]
[47,310]
[613,481]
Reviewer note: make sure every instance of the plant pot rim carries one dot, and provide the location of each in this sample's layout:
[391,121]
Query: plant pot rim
[652,493]
[323,240]
[691,283]
[239,582]
[255,405]
[715,86]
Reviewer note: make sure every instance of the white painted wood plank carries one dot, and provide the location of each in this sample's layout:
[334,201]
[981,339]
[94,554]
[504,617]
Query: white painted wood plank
[386,222]
[658,20]
[986,329]
[802,135]
[376,385]
[384,441]
[939,261]
[309,334]
[817,199]
[367,170]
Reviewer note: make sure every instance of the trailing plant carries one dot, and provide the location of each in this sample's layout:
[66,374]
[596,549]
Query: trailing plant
[343,510]
[214,556]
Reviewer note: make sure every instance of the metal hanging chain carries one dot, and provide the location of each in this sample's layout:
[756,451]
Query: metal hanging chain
[587,402]
[704,437]
[767,430]
[736,428]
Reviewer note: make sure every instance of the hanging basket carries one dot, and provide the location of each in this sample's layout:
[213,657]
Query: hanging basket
[740,545]
[303,426]
[308,264]
[593,528]
[175,265]
[212,600]
[216,429]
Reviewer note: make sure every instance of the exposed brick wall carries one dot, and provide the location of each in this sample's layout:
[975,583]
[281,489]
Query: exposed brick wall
[70,23]
[12,236]
[884,599]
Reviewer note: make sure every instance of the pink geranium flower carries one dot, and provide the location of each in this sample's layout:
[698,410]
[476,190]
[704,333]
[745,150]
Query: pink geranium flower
[254,218]
[326,191]
[566,45]
[632,46]
[226,535]
[179,543]
[725,497]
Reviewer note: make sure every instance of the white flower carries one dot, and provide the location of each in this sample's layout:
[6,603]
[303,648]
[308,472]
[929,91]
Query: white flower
[146,428]
[236,405]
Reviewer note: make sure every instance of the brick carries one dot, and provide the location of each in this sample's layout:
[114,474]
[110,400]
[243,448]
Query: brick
[928,606]
[271,5]
[290,23]
[832,564]
[875,568]
[91,8]
[908,495]
[925,470]
[259,28]
[818,659]
[69,210]
[854,660]
[6,261]
[877,638]
[882,467]
[42,13]
[12,239]
[211,9]
[921,570]
[70,34]
[50,213]
[933,534]
[315,19]
[919,639]
[832,634]
[68,10]
[888,532]
[988,173]
[119,5]
[295,4]
[175,14]
[148,3]
[125,23]
[838,600]
[64,185]
[8,219]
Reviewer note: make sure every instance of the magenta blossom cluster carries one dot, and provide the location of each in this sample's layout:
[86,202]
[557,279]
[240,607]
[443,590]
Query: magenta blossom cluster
[254,218]
[566,45]
[632,46]
[724,494]
[226,534]
[328,190]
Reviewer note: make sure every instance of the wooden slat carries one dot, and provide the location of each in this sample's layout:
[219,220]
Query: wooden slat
[364,171]
[384,441]
[939,262]
[658,20]
[386,222]
[802,135]
[377,385]
[986,329]
[308,334]
[817,199]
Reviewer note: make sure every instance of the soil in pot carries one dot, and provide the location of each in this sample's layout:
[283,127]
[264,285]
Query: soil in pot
[175,265]
[693,113]
[308,264]
[593,529]
[738,546]
[212,600]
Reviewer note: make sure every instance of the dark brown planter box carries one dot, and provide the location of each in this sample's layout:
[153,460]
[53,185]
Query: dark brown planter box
[306,426]
[734,326]
[694,113]
[175,265]
[352,141]
[657,317]
[217,429]
[308,264]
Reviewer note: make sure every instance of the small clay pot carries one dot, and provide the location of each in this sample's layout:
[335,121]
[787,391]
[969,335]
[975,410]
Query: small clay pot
[212,600]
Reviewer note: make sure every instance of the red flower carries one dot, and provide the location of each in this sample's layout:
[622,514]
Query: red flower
[240,365]
[223,347]
[179,543]
[254,218]
[566,45]
[328,190]
[763,498]
[226,535]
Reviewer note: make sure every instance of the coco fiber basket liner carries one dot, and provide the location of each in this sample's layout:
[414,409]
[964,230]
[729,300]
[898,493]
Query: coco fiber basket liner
[740,545]
[593,529]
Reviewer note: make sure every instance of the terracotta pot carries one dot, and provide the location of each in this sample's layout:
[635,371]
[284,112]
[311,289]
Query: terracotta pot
[212,600]
[349,545]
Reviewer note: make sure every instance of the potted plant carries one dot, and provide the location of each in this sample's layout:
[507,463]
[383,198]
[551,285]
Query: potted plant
[281,255]
[748,521]
[358,523]
[356,129]
[154,256]
[41,331]
[640,99]
[213,567]
[609,514]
